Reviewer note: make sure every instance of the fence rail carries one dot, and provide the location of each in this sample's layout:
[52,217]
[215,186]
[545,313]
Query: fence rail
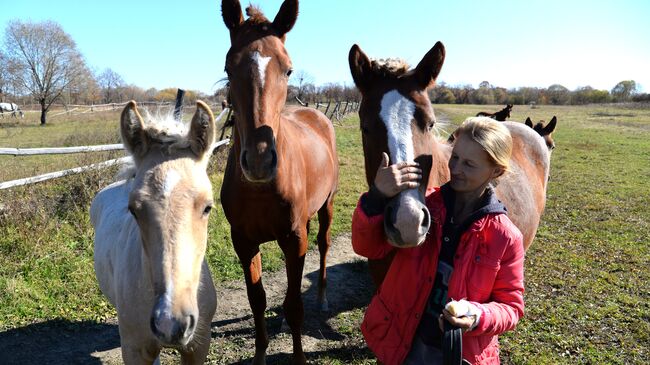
[80,149]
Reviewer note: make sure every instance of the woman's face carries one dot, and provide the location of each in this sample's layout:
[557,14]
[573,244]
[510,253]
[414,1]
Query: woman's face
[470,166]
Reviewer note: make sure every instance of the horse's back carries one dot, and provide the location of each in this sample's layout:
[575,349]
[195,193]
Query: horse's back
[523,189]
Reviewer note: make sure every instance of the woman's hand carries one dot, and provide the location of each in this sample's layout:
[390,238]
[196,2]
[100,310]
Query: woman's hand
[464,322]
[392,179]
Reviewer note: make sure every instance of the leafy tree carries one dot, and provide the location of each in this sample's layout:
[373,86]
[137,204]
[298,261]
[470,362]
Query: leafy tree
[558,94]
[624,90]
[44,60]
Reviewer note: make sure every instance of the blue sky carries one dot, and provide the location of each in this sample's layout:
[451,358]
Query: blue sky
[508,43]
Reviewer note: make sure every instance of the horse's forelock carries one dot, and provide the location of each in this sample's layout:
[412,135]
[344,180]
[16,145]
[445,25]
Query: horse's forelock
[255,15]
[390,67]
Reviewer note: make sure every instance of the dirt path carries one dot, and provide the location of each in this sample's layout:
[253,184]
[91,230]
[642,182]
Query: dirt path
[326,336]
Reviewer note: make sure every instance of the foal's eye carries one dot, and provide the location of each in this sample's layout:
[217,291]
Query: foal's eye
[207,210]
[289,72]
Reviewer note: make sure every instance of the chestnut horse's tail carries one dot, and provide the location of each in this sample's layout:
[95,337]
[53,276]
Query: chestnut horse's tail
[484,114]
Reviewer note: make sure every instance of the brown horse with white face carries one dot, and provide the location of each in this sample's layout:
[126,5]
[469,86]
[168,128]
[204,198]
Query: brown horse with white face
[282,167]
[396,117]
[151,235]
[545,131]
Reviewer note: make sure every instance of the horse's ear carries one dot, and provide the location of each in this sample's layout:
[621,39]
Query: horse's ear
[360,68]
[286,17]
[550,127]
[134,137]
[232,14]
[429,67]
[202,130]
[529,122]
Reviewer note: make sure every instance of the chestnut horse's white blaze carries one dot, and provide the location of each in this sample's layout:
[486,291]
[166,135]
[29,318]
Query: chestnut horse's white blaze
[261,63]
[151,238]
[397,112]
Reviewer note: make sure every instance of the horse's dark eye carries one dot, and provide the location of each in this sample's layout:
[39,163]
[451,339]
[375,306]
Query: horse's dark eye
[207,210]
[289,72]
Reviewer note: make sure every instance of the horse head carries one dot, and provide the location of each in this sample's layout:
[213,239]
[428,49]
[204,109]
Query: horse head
[170,199]
[396,117]
[258,68]
[546,132]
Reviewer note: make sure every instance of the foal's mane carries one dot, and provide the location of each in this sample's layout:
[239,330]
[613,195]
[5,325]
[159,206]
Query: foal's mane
[162,130]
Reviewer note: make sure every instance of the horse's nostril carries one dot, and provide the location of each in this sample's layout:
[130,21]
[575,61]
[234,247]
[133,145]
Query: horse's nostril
[192,323]
[426,221]
[244,160]
[274,158]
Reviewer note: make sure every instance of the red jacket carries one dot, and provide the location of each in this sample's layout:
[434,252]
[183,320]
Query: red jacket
[488,272]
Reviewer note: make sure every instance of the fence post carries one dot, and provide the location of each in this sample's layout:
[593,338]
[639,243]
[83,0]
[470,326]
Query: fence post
[178,108]
[328,107]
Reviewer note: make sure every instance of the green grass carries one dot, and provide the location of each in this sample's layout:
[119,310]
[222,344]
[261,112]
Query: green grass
[587,271]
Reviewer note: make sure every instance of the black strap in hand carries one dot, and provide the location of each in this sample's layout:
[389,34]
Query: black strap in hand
[452,345]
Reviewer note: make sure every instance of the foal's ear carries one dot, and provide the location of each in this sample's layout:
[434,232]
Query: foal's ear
[286,17]
[134,137]
[231,13]
[550,127]
[202,130]
[529,122]
[428,69]
[360,68]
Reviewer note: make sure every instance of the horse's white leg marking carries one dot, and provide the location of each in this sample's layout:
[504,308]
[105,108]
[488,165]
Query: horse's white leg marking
[261,63]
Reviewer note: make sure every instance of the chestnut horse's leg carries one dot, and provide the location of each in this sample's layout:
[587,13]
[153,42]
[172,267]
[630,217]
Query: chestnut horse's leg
[294,247]
[323,238]
[251,262]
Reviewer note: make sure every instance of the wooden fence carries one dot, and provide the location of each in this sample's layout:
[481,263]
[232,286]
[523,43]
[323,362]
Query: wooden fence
[80,149]
[335,110]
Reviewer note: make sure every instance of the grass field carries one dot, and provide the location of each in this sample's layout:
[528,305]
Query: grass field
[587,272]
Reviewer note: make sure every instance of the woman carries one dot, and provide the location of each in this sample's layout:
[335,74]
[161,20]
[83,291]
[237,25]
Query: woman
[473,254]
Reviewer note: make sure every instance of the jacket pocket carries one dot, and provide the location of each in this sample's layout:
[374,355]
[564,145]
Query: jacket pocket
[377,320]
[483,273]
[380,331]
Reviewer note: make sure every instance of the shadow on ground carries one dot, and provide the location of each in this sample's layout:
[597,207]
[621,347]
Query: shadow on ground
[57,342]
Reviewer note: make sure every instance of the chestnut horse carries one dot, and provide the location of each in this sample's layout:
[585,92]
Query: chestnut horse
[282,167]
[396,117]
[546,131]
[151,235]
[501,115]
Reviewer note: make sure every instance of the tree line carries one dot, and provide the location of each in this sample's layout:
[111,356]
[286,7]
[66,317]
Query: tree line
[40,63]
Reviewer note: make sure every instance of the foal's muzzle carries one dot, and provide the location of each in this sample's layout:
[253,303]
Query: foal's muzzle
[171,329]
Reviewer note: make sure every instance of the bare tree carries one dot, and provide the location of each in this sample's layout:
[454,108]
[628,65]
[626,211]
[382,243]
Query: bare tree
[300,78]
[44,60]
[110,82]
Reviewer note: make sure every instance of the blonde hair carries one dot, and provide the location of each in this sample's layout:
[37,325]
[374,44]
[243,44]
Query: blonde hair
[492,136]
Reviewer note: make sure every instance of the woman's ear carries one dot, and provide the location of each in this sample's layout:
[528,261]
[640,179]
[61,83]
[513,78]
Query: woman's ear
[497,172]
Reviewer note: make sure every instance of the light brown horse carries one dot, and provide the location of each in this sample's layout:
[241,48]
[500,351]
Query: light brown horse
[396,117]
[282,167]
[151,237]
[546,131]
[501,115]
